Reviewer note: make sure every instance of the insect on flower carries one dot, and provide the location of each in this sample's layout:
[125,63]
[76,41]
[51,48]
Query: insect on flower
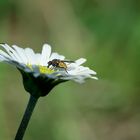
[48,64]
[57,63]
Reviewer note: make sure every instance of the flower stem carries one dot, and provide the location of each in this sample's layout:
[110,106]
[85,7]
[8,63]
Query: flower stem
[26,118]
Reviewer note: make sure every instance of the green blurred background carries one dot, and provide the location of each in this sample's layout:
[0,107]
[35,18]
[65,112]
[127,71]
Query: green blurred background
[107,33]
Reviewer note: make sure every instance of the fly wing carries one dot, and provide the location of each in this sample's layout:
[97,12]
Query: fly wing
[68,61]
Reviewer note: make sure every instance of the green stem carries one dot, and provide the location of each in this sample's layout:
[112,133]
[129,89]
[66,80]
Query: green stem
[26,118]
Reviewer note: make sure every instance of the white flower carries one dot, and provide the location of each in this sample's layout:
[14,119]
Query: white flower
[28,61]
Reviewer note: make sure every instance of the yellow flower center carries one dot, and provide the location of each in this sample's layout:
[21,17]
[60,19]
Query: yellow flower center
[42,69]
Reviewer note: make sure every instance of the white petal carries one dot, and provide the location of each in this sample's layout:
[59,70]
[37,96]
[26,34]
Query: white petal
[80,73]
[37,56]
[11,52]
[77,63]
[93,77]
[21,53]
[81,70]
[78,78]
[2,53]
[46,52]
[92,71]
[30,55]
[57,56]
[80,61]
[3,58]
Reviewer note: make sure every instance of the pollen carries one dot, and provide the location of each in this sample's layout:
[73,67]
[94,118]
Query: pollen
[45,70]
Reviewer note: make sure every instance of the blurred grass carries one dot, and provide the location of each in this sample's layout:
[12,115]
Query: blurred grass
[107,34]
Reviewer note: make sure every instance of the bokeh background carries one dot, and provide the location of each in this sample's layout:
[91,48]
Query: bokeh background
[107,33]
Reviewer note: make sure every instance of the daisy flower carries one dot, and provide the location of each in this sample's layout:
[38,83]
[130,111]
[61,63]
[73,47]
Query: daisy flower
[35,66]
[41,72]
